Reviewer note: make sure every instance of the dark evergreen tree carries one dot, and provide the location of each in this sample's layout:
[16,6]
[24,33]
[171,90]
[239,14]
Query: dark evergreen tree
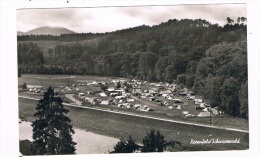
[118,85]
[103,87]
[155,142]
[128,146]
[52,131]
[24,86]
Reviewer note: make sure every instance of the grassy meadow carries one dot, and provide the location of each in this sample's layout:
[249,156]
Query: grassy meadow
[121,126]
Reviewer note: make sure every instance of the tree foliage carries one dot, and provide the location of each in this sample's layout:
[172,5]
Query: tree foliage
[24,86]
[128,146]
[52,133]
[243,99]
[220,75]
[154,141]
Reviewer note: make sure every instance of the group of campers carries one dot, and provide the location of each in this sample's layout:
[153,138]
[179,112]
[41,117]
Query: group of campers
[162,94]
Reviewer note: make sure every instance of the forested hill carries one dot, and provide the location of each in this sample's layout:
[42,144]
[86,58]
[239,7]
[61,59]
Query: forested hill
[205,57]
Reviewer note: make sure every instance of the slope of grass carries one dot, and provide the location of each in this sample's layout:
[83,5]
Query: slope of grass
[121,126]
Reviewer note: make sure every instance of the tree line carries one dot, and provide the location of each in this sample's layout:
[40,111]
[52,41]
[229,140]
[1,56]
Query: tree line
[154,141]
[204,57]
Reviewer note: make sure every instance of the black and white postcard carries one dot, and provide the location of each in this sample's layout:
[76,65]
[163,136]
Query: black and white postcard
[157,78]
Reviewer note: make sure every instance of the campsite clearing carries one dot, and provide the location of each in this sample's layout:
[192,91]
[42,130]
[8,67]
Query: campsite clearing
[159,111]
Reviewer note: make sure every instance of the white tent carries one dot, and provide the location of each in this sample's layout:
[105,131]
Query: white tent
[103,94]
[185,112]
[204,114]
[170,107]
[104,102]
[214,111]
[202,105]
[130,100]
[178,107]
[205,110]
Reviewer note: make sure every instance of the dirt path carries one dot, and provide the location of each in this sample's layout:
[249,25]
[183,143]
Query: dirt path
[78,104]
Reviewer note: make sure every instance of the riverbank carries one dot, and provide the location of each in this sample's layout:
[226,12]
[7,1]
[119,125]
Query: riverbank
[87,142]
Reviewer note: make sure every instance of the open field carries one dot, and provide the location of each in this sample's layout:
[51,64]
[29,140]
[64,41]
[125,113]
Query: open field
[121,126]
[44,45]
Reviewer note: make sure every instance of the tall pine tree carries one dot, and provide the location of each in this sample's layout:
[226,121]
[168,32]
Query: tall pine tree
[52,133]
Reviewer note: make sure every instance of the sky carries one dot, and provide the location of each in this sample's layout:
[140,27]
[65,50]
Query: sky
[107,19]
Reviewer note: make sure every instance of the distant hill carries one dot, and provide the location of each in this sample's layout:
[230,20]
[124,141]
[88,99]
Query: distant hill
[20,33]
[47,30]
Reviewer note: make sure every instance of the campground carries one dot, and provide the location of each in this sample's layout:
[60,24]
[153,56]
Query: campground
[121,126]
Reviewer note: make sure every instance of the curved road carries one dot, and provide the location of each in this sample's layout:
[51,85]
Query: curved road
[70,96]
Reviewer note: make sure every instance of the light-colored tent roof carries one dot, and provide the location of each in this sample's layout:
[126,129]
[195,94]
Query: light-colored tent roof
[110,89]
[178,107]
[203,105]
[104,102]
[214,111]
[166,92]
[205,110]
[204,114]
[34,86]
[102,94]
[185,112]
[130,100]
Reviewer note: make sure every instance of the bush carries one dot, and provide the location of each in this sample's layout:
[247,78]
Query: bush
[153,142]
[128,146]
